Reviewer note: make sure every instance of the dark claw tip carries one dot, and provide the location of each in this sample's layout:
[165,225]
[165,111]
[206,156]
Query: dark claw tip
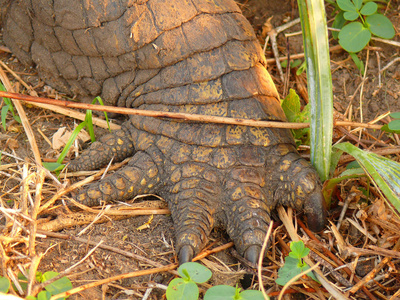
[186,254]
[315,210]
[252,254]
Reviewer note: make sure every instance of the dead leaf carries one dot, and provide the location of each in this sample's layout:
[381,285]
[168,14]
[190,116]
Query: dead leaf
[61,137]
[12,144]
[267,27]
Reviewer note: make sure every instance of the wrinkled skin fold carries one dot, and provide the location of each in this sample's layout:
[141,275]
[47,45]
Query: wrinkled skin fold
[192,56]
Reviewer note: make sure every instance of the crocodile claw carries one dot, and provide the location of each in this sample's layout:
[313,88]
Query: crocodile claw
[185,254]
[253,253]
[315,210]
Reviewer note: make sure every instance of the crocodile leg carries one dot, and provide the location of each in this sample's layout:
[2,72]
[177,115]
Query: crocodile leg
[296,184]
[117,145]
[247,215]
[141,176]
[193,219]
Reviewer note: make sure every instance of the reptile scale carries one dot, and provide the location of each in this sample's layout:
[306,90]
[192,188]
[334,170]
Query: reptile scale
[188,56]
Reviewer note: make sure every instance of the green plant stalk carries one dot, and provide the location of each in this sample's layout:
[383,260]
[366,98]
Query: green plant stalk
[316,48]
[70,142]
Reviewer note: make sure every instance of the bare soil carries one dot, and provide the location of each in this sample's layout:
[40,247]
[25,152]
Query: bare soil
[355,99]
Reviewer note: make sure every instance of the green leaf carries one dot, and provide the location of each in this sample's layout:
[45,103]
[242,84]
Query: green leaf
[44,295]
[357,3]
[316,47]
[354,37]
[197,272]
[298,250]
[8,103]
[4,111]
[353,165]
[295,63]
[59,286]
[4,285]
[350,15]
[291,105]
[386,129]
[395,115]
[89,125]
[252,295]
[369,8]
[338,23]
[394,125]
[185,275]
[359,63]
[335,157]
[302,68]
[288,271]
[346,5]
[220,292]
[383,172]
[309,274]
[98,99]
[352,173]
[381,26]
[179,289]
[294,264]
[53,166]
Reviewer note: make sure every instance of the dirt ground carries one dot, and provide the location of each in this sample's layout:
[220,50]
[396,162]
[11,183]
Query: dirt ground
[153,245]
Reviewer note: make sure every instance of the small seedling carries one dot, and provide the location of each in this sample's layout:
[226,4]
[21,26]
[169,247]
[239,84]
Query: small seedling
[355,34]
[292,108]
[294,264]
[8,107]
[363,21]
[185,288]
[226,292]
[88,123]
[394,125]
[302,66]
[59,286]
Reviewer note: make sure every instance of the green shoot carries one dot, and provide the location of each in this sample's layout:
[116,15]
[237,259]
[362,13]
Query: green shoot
[88,123]
[185,288]
[292,108]
[394,125]
[59,286]
[359,63]
[98,99]
[226,292]
[294,264]
[8,107]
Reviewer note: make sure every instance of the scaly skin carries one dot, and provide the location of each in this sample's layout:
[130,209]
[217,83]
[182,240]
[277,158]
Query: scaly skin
[190,56]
